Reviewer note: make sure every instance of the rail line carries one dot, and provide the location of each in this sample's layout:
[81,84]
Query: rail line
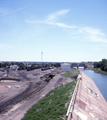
[32,88]
[23,76]
[28,92]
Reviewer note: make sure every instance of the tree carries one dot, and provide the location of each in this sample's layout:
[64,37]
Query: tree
[21,65]
[0,65]
[85,66]
[57,64]
[102,65]
[12,63]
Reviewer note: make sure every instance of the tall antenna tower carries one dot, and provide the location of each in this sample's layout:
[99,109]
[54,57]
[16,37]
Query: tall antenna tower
[41,57]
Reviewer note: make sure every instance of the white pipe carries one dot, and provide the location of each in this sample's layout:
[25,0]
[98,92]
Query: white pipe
[72,99]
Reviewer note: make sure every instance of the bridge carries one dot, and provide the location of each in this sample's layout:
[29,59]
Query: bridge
[78,65]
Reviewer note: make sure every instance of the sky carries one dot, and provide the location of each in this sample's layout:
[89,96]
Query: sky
[64,30]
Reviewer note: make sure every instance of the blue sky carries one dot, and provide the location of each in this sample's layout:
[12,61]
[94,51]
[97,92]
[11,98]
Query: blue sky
[64,30]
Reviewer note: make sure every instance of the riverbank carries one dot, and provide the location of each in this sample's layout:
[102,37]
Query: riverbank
[99,79]
[98,70]
[54,105]
[89,103]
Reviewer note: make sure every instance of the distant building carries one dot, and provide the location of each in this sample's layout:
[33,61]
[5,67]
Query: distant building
[65,66]
[14,67]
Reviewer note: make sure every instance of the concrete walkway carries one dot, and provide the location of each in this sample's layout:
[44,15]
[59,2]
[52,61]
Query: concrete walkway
[89,102]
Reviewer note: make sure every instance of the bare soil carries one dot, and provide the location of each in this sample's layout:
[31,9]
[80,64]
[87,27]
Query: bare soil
[10,89]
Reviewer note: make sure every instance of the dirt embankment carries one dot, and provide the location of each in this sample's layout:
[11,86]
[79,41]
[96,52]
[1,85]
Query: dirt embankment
[18,111]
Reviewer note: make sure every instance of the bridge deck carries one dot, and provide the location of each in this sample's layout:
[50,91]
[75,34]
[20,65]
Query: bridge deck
[89,102]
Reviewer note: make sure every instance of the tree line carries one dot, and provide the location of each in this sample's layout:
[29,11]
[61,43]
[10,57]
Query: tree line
[102,65]
[21,64]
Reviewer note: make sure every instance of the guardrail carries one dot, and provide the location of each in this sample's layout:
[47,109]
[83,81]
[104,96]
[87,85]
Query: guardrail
[71,105]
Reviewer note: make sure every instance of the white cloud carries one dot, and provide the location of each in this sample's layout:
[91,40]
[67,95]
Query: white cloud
[98,39]
[62,12]
[54,16]
[61,25]
[93,35]
[6,12]
[30,21]
[52,20]
[84,33]
[91,31]
[66,26]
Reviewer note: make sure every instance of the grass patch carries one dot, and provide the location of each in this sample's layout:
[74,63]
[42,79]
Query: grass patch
[58,71]
[52,107]
[98,70]
[72,73]
[67,74]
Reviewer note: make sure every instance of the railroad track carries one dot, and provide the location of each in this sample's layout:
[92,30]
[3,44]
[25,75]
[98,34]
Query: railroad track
[32,89]
[23,76]
[28,92]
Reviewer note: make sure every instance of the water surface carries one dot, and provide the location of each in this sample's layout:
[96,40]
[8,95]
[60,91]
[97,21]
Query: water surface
[99,79]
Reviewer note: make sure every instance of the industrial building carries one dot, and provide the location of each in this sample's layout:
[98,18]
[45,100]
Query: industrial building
[65,66]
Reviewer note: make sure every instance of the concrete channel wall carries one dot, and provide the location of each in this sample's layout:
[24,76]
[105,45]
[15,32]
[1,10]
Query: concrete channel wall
[88,103]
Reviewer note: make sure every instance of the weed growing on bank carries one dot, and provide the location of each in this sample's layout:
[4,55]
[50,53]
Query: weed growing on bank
[54,105]
[71,74]
[98,70]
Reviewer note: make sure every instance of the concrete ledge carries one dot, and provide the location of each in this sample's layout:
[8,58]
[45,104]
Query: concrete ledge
[89,102]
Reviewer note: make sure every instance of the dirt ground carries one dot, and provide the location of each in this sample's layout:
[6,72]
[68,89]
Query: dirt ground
[10,89]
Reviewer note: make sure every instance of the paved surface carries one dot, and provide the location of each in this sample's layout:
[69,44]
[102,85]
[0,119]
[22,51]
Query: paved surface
[89,102]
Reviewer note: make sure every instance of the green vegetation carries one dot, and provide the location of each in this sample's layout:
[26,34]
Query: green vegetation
[53,106]
[71,74]
[0,65]
[21,64]
[58,71]
[98,70]
[101,67]
[67,74]
[55,64]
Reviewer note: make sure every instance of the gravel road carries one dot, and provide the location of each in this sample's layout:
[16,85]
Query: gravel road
[18,111]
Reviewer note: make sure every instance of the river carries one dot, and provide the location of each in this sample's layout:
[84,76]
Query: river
[99,79]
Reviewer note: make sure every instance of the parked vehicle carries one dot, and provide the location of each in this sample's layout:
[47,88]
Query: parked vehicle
[47,68]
